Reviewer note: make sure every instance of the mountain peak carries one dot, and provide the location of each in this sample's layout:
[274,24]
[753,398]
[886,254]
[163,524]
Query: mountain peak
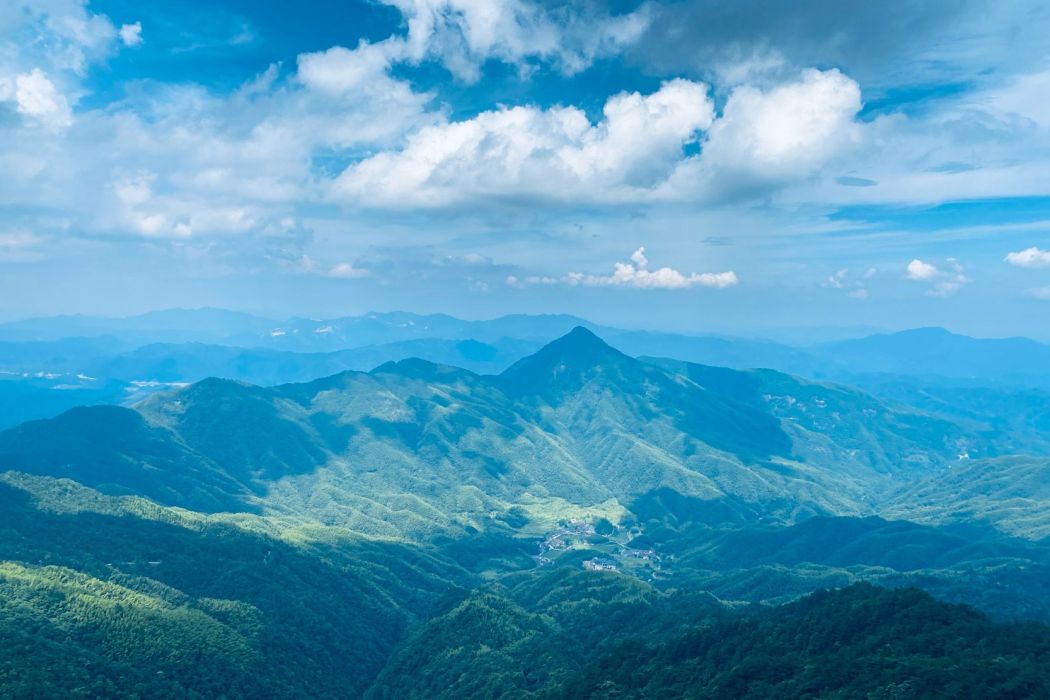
[416,368]
[579,346]
[580,336]
[561,361]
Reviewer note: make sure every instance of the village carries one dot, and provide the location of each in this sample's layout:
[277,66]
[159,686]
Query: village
[609,544]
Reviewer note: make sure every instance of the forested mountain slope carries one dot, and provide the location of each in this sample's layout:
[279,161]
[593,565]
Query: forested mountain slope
[417,448]
[530,534]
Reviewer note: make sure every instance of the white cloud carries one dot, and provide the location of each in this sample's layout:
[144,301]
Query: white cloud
[784,133]
[339,70]
[529,152]
[947,281]
[836,281]
[985,143]
[856,289]
[1023,97]
[627,275]
[1030,257]
[948,287]
[638,257]
[463,34]
[66,36]
[346,270]
[635,274]
[922,271]
[131,34]
[763,139]
[38,99]
[1041,293]
[19,246]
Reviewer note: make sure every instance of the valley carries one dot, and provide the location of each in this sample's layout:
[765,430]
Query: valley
[248,517]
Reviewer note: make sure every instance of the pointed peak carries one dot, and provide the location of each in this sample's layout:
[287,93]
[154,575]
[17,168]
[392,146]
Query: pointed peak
[578,335]
[579,345]
[560,361]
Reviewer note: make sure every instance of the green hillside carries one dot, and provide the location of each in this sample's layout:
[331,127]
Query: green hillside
[420,530]
[861,642]
[1009,493]
[121,594]
[413,448]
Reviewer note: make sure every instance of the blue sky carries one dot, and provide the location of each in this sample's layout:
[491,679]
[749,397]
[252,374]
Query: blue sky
[702,166]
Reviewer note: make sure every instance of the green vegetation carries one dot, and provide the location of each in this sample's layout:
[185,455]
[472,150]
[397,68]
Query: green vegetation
[1009,493]
[126,584]
[861,642]
[419,450]
[583,525]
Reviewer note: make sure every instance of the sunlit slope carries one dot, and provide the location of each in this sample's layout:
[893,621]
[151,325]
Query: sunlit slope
[417,448]
[113,597]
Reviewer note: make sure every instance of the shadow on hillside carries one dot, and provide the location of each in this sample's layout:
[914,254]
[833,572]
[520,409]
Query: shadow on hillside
[331,612]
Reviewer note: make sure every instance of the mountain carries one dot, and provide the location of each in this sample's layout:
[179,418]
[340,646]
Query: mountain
[116,450]
[937,353]
[1023,413]
[857,642]
[222,327]
[118,597]
[1009,493]
[191,362]
[422,530]
[31,398]
[169,325]
[930,353]
[40,379]
[414,447]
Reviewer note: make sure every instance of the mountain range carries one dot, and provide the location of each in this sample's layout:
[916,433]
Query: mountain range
[517,533]
[49,365]
[578,422]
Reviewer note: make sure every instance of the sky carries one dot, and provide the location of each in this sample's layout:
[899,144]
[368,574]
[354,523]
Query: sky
[737,167]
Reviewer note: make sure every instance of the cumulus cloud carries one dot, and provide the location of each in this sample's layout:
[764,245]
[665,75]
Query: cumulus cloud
[242,162]
[463,34]
[526,151]
[763,139]
[72,37]
[345,270]
[131,34]
[46,48]
[39,100]
[946,281]
[766,137]
[921,271]
[338,70]
[635,274]
[1030,257]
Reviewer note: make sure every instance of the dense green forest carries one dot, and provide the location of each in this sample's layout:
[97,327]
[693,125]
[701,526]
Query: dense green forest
[120,597]
[584,524]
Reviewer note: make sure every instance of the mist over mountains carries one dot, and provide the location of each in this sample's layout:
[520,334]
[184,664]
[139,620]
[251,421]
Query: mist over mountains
[90,360]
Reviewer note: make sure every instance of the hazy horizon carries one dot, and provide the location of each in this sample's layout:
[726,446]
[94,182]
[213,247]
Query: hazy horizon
[651,164]
[787,335]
